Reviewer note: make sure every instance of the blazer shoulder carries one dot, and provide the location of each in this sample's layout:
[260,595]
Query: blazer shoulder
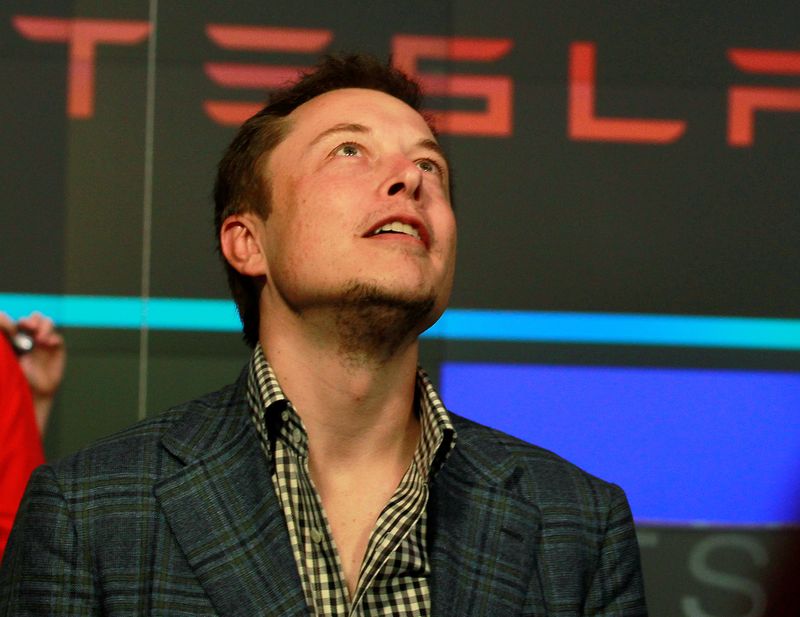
[534,473]
[197,426]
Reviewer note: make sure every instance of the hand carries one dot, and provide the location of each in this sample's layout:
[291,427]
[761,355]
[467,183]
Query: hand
[44,366]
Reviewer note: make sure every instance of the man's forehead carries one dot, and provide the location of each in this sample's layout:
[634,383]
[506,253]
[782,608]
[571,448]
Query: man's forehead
[356,108]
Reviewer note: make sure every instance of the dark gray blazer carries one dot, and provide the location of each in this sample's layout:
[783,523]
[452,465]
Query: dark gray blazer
[177,516]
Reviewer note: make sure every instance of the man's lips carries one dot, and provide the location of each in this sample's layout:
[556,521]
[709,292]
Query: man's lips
[403,225]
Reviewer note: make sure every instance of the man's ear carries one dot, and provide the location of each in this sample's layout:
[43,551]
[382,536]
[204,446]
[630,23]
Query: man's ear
[239,242]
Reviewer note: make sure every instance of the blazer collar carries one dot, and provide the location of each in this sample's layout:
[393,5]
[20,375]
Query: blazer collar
[483,537]
[222,509]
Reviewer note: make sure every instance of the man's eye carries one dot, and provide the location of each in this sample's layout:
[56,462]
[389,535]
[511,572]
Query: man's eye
[429,166]
[348,149]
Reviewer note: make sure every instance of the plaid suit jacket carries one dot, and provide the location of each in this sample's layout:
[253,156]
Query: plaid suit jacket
[177,516]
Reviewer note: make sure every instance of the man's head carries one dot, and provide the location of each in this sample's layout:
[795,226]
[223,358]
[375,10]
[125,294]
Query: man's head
[335,138]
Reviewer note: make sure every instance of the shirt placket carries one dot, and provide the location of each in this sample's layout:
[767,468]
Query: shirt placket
[316,556]
[393,527]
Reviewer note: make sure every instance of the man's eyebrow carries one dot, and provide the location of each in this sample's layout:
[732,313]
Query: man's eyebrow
[344,127]
[432,144]
[352,127]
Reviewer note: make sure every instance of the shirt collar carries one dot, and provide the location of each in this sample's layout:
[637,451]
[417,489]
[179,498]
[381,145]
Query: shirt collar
[275,417]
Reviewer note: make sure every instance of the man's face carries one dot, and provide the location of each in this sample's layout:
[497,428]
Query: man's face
[359,196]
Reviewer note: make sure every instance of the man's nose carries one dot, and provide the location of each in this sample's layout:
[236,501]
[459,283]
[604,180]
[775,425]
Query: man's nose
[405,178]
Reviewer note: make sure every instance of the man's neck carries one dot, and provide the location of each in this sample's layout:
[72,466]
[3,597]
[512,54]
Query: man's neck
[354,409]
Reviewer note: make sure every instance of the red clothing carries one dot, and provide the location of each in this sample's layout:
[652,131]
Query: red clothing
[20,443]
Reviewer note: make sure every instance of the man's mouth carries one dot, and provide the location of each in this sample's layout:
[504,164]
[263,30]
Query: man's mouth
[397,227]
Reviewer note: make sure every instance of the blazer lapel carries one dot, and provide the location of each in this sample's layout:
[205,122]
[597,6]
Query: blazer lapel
[223,512]
[482,541]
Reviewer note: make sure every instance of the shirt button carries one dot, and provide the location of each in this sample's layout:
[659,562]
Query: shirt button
[297,436]
[285,416]
[316,535]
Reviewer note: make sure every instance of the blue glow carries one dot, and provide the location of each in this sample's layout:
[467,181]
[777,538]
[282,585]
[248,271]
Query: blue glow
[456,324]
[127,312]
[687,445]
[618,329]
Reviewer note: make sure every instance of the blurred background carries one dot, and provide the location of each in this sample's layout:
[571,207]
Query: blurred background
[628,204]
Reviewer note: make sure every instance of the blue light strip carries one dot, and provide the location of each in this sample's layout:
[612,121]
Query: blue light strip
[619,329]
[456,324]
[127,312]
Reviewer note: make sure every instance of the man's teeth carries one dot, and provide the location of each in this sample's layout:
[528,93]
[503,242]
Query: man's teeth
[398,227]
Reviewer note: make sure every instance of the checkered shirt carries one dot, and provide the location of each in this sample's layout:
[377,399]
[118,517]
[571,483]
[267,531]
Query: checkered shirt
[394,573]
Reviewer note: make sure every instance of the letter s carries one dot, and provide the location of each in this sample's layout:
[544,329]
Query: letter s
[701,570]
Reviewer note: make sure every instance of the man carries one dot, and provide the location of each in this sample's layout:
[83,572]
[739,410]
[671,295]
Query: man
[329,479]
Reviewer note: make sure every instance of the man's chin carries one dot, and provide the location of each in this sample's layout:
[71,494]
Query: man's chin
[377,293]
[375,321]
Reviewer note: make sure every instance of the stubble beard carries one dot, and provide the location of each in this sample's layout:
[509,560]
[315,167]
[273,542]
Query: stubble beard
[373,324]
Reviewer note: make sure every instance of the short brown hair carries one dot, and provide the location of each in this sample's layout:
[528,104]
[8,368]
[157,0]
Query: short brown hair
[240,185]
